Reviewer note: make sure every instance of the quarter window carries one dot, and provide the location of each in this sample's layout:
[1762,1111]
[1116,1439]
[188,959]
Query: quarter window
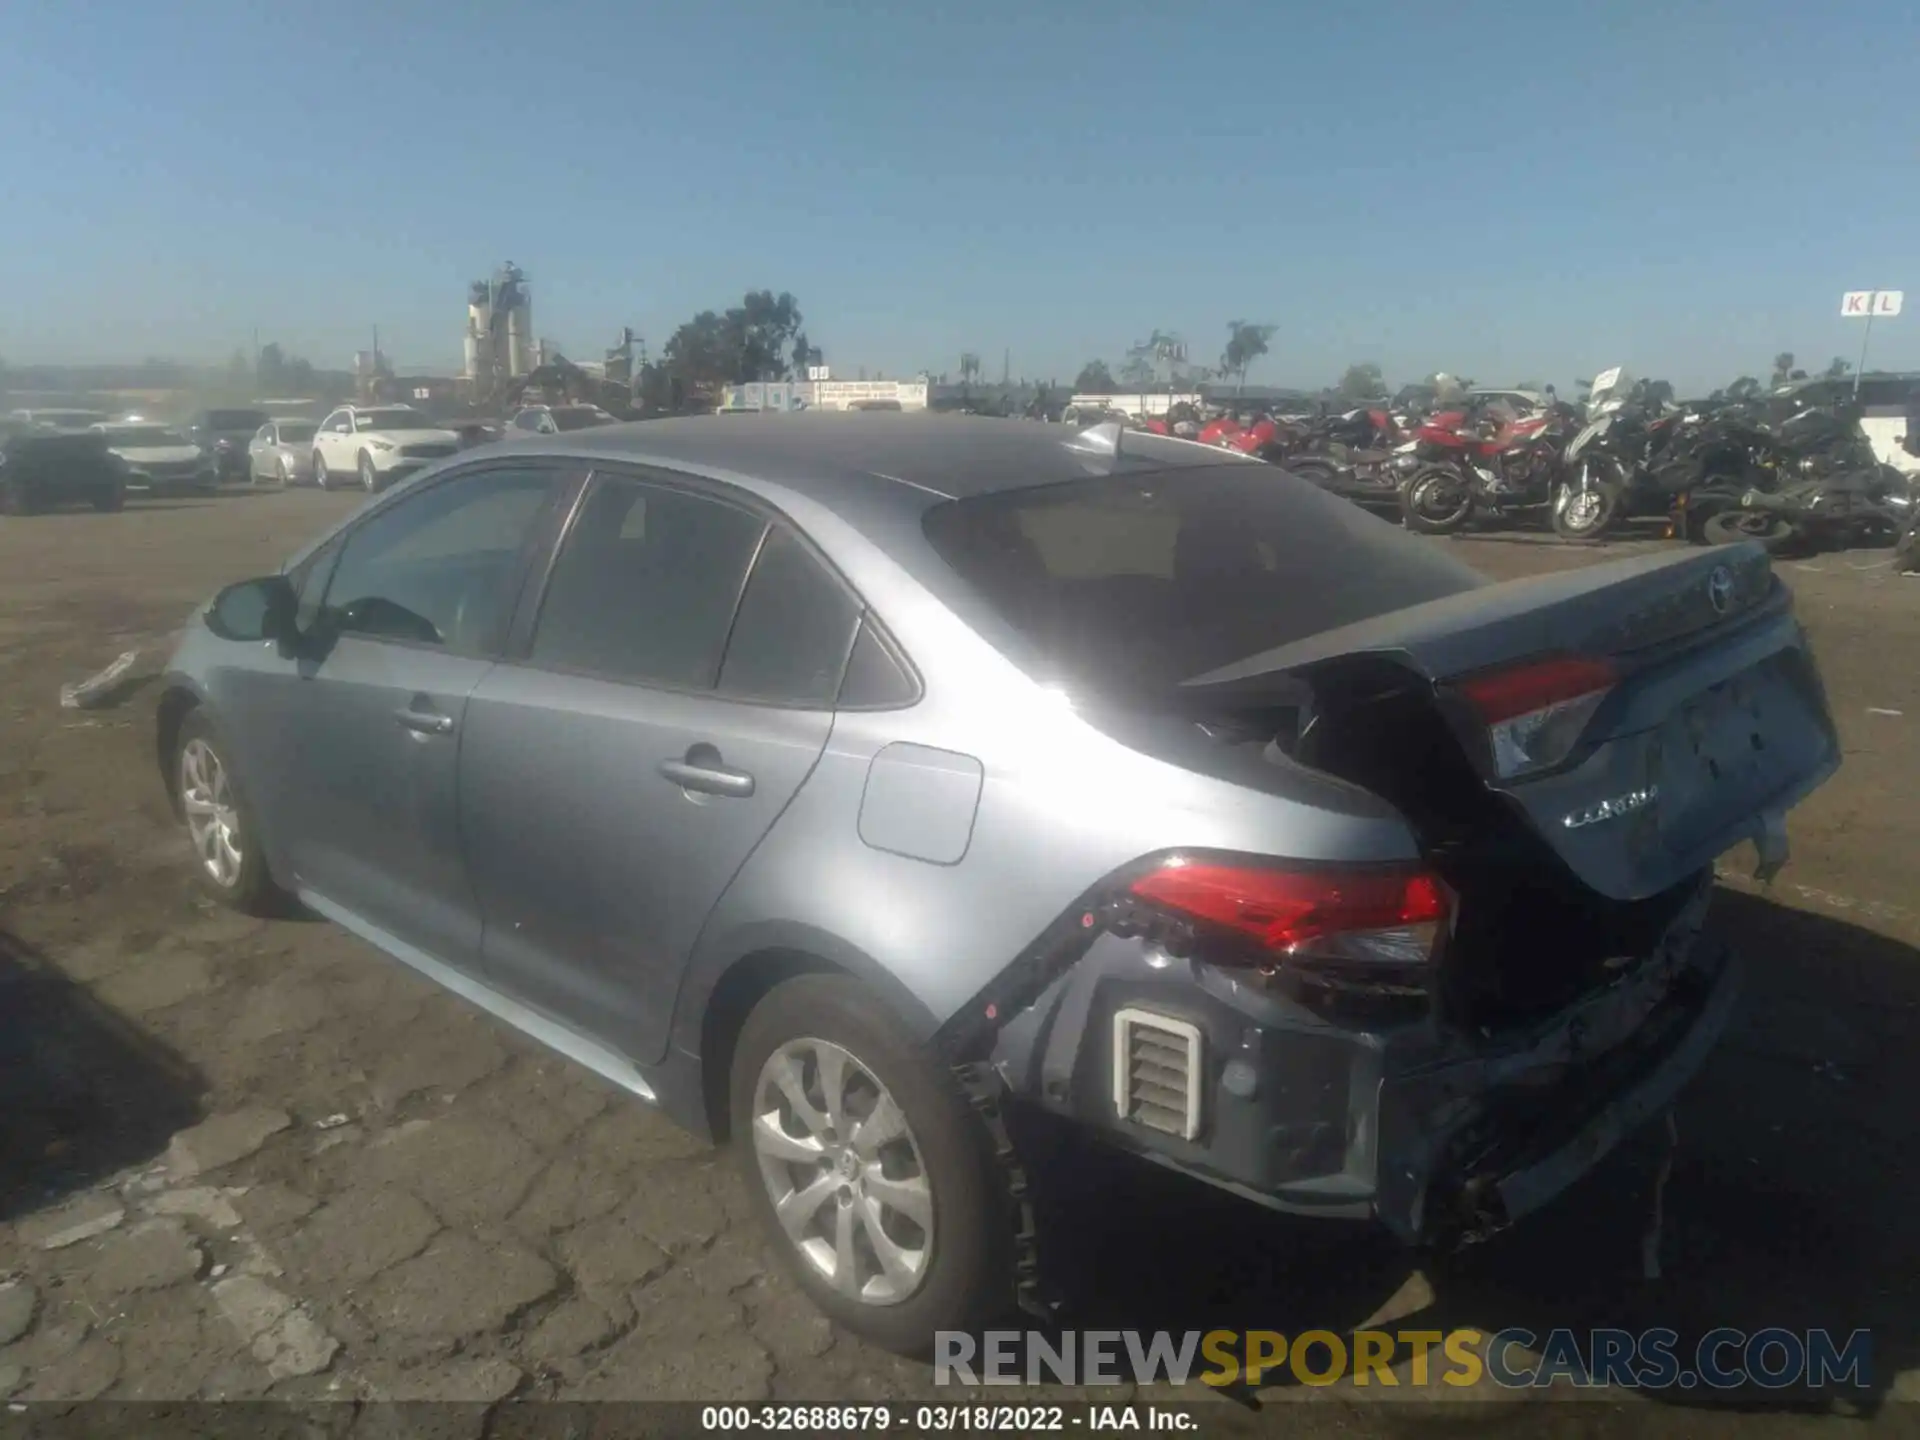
[646,585]
[794,628]
[437,568]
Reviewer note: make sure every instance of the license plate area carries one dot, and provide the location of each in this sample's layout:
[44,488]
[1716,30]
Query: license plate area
[1728,751]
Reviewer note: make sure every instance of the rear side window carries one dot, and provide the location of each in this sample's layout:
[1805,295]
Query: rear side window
[796,624]
[1130,584]
[645,588]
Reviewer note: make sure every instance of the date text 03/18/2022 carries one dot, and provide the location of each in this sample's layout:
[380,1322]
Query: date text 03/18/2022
[943,1419]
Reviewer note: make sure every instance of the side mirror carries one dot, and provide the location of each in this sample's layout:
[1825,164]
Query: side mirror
[256,610]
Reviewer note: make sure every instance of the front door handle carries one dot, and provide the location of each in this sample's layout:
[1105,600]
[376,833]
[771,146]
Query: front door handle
[423,723]
[704,771]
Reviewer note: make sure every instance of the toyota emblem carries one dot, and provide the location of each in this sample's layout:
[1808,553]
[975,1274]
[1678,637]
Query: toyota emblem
[1720,589]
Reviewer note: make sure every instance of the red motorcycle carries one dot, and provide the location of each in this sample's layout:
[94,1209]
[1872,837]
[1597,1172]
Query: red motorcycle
[1483,463]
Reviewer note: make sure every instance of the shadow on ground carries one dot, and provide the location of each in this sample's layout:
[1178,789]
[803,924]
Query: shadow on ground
[83,1093]
[1790,1201]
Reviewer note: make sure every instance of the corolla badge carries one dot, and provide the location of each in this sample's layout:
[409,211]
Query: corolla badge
[1720,589]
[1612,809]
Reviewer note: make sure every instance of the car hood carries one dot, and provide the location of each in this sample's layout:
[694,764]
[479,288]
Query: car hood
[156,454]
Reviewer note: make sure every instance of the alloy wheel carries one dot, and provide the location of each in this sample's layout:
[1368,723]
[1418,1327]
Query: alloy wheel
[369,478]
[213,820]
[844,1172]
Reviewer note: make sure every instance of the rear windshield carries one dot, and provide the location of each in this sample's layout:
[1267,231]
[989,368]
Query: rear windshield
[297,430]
[579,418]
[134,436]
[236,419]
[393,420]
[1127,585]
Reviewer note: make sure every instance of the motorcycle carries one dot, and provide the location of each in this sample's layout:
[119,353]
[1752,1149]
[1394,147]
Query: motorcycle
[1489,463]
[1867,506]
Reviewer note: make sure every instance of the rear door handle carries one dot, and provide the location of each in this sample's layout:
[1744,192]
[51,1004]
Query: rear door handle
[423,723]
[703,771]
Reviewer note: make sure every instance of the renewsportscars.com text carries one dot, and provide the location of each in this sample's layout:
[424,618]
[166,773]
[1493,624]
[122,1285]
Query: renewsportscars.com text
[1655,1359]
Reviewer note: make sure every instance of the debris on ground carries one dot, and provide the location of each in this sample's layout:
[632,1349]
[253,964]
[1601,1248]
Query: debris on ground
[103,688]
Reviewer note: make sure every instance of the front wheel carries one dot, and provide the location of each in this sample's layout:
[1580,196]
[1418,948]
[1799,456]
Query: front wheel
[16,498]
[107,501]
[1583,512]
[871,1174]
[227,863]
[369,477]
[1437,501]
[1730,527]
[320,475]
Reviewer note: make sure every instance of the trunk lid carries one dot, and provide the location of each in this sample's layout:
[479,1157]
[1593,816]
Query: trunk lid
[1714,725]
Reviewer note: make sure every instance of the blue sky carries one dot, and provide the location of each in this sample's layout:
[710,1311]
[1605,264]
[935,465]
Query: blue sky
[1509,191]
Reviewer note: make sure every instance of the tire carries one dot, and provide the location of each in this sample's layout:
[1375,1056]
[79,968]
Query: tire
[1585,514]
[108,501]
[963,1253]
[369,477]
[1314,472]
[1427,518]
[286,473]
[247,886]
[320,475]
[1731,527]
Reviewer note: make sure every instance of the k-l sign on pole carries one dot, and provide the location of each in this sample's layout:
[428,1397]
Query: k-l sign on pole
[1867,305]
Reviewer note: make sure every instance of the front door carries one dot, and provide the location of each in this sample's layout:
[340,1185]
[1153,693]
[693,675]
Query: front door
[367,814]
[675,693]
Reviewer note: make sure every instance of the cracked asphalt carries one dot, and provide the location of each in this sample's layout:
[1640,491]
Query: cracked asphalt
[244,1159]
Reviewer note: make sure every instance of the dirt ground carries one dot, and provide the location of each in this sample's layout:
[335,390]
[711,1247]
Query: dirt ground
[242,1159]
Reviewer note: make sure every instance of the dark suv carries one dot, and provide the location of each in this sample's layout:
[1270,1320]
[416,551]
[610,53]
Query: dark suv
[224,434]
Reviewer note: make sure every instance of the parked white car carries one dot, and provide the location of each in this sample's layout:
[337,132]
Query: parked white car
[378,445]
[159,459]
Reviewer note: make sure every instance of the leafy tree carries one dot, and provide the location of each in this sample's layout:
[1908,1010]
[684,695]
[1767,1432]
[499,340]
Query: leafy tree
[1137,373]
[1094,379]
[1363,382]
[805,353]
[1745,388]
[1246,343]
[752,341]
[1838,369]
[1782,368]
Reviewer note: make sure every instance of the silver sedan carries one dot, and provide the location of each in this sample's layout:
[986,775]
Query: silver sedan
[281,450]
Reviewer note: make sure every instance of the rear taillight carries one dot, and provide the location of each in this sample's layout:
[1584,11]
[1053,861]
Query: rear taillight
[1535,713]
[1306,918]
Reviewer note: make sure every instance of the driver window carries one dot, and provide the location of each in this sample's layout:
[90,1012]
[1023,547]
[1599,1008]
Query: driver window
[528,420]
[437,568]
[341,424]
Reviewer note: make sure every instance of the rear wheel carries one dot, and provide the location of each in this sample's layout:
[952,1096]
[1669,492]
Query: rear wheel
[1730,527]
[1437,501]
[871,1174]
[107,501]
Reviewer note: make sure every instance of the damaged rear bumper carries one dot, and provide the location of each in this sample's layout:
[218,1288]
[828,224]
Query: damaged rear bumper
[1441,1136]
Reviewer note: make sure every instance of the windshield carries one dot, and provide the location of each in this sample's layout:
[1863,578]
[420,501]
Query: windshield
[296,430]
[136,436]
[236,419]
[580,417]
[1128,585]
[393,420]
[69,419]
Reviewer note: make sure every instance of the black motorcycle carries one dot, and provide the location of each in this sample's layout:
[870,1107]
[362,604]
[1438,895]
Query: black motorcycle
[1873,505]
[1682,464]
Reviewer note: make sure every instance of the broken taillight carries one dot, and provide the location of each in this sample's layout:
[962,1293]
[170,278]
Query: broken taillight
[1536,713]
[1310,918]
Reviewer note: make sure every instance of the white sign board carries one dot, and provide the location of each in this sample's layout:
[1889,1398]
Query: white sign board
[1605,379]
[1861,304]
[817,373]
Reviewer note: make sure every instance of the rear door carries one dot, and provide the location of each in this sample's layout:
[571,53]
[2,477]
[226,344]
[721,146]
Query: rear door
[670,692]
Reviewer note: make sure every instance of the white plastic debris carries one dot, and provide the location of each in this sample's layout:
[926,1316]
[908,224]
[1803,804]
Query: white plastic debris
[98,689]
[332,1122]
